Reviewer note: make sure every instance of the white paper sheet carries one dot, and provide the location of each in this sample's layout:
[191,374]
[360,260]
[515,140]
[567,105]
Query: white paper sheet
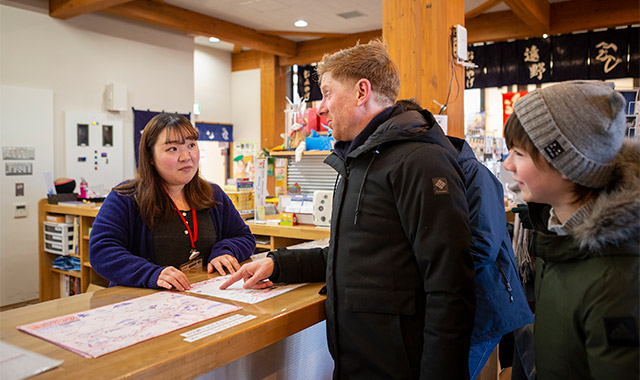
[17,363]
[235,292]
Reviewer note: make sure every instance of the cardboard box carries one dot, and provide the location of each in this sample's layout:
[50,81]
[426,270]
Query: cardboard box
[288,219]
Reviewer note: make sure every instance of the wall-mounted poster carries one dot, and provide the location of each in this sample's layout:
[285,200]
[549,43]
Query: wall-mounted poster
[243,159]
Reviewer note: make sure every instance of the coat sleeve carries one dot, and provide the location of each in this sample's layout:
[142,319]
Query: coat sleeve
[113,234]
[299,265]
[429,191]
[234,236]
[487,219]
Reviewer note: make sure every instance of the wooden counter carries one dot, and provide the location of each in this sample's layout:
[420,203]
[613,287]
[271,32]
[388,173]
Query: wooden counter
[167,356]
[284,236]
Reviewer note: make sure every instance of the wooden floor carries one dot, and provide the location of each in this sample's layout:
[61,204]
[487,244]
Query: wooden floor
[492,370]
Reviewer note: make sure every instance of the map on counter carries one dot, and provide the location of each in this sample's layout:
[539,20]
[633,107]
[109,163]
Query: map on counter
[236,292]
[99,331]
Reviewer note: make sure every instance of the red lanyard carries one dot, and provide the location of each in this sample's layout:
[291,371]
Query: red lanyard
[192,237]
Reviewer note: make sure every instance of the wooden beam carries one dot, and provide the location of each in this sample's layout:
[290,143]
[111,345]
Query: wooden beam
[246,60]
[237,49]
[496,26]
[173,17]
[303,34]
[312,51]
[533,13]
[480,9]
[566,17]
[64,9]
[576,15]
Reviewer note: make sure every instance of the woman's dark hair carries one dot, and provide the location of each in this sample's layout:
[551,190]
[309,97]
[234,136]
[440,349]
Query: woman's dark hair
[516,136]
[148,186]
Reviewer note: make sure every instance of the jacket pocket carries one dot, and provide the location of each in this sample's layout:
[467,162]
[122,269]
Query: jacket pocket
[385,301]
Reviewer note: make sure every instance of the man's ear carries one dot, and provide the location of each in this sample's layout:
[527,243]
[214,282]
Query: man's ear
[363,91]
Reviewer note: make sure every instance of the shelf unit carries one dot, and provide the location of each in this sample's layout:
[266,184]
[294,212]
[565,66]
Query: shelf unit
[284,236]
[291,153]
[49,276]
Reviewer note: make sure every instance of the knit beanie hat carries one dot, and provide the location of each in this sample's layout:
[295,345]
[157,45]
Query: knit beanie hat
[578,126]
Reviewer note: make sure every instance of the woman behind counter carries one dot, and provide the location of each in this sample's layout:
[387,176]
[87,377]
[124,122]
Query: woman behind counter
[168,219]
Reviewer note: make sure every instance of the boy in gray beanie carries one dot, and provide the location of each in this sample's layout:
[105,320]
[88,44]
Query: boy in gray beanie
[581,180]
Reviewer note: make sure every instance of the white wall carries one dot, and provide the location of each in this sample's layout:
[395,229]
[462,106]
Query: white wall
[212,84]
[245,105]
[24,113]
[76,59]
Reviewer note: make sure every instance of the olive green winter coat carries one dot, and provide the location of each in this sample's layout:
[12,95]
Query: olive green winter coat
[587,287]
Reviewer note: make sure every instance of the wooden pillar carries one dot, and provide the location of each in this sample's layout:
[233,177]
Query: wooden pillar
[273,94]
[272,100]
[418,33]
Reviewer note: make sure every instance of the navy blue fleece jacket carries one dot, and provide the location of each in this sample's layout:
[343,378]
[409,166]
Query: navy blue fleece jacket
[121,245]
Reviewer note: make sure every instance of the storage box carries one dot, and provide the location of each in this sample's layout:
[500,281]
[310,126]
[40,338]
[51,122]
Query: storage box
[56,218]
[58,248]
[58,238]
[58,228]
[242,200]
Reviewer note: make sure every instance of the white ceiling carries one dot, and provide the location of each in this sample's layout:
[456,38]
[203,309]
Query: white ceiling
[279,15]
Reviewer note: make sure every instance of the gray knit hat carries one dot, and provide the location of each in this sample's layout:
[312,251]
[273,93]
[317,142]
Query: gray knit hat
[578,127]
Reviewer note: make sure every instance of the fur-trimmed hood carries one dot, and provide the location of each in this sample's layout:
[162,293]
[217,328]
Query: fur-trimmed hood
[616,213]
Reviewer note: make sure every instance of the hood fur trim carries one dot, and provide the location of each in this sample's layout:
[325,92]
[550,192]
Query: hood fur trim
[616,213]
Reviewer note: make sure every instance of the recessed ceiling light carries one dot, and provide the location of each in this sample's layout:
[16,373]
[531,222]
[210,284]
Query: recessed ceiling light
[300,23]
[214,39]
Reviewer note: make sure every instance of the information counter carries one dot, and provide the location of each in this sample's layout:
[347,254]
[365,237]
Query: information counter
[169,356]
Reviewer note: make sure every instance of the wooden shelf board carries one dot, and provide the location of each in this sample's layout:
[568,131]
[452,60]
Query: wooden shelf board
[67,272]
[267,246]
[288,153]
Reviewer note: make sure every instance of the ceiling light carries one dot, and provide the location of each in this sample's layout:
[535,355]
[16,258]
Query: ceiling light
[214,39]
[300,23]
[545,35]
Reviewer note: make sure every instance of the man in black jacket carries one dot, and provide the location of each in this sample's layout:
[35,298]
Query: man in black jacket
[400,278]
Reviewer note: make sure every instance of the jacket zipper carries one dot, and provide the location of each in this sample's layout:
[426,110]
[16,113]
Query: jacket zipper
[506,281]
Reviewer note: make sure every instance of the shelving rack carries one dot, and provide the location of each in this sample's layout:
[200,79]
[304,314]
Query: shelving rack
[49,276]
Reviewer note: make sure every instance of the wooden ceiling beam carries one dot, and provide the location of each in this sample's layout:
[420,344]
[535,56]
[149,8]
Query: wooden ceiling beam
[575,15]
[566,17]
[480,9]
[312,51]
[533,13]
[64,9]
[303,34]
[173,17]
[496,26]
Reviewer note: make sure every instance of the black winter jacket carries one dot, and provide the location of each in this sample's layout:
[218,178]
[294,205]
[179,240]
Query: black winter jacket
[400,278]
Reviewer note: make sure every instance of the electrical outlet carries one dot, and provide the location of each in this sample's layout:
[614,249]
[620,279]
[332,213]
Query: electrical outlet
[19,210]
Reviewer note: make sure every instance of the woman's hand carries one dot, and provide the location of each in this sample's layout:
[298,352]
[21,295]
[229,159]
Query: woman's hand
[221,262]
[170,277]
